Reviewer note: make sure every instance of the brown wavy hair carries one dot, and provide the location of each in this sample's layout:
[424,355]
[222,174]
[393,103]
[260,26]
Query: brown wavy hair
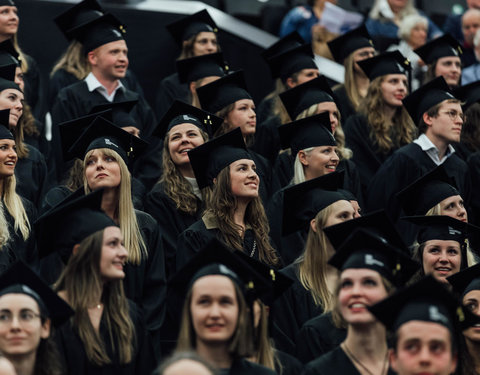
[187,48]
[471,128]
[226,127]
[73,61]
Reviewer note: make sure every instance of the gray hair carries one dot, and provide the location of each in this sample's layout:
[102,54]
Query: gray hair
[408,23]
[376,13]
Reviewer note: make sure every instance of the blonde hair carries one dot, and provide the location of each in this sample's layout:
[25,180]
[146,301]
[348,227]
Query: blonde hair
[23,58]
[127,220]
[14,205]
[298,170]
[351,87]
[264,345]
[73,61]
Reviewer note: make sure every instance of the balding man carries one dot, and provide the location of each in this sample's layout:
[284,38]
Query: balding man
[453,23]
[472,73]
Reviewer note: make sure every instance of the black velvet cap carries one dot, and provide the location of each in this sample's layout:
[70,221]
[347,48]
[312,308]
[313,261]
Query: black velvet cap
[427,300]
[7,77]
[222,92]
[308,132]
[78,16]
[468,94]
[101,133]
[20,278]
[120,112]
[424,98]
[186,27]
[8,53]
[377,221]
[426,192]
[212,64]
[443,46]
[385,63]
[365,248]
[301,97]
[286,43]
[349,42]
[5,133]
[181,113]
[292,61]
[465,281]
[209,159]
[7,3]
[302,202]
[70,222]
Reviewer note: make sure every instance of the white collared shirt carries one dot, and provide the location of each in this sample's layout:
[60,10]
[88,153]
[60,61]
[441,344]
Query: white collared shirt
[432,151]
[93,84]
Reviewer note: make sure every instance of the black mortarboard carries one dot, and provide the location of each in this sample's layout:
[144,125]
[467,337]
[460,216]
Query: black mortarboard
[468,94]
[426,192]
[20,278]
[7,77]
[377,221]
[348,194]
[101,133]
[292,61]
[444,46]
[195,68]
[78,16]
[70,222]
[385,63]
[301,97]
[302,202]
[120,112]
[103,30]
[424,98]
[308,132]
[186,27]
[222,92]
[427,300]
[7,3]
[5,133]
[8,53]
[465,281]
[349,42]
[209,159]
[286,43]
[180,113]
[365,248]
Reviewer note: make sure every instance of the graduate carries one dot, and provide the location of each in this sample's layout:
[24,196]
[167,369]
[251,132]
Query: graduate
[348,49]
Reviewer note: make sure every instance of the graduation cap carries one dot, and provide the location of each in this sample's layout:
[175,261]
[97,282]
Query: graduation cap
[292,61]
[377,222]
[8,54]
[443,46]
[426,192]
[308,132]
[302,202]
[303,96]
[222,92]
[78,16]
[120,112]
[349,42]
[70,222]
[186,27]
[5,133]
[208,159]
[424,98]
[7,3]
[101,133]
[366,248]
[7,77]
[465,281]
[195,68]
[181,113]
[385,63]
[21,279]
[428,300]
[468,94]
[286,43]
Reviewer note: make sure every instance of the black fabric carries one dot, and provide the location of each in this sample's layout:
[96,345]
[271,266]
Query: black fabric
[244,367]
[34,88]
[343,102]
[474,165]
[290,364]
[264,110]
[267,141]
[168,90]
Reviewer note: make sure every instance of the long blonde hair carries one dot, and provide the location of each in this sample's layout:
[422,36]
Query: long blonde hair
[73,61]
[127,219]
[22,56]
[13,204]
[264,345]
[351,87]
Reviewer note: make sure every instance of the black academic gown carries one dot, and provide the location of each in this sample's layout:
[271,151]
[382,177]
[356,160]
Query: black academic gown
[34,91]
[74,358]
[267,141]
[168,90]
[474,165]
[463,151]
[334,362]
[290,364]
[317,337]
[242,366]
[264,110]
[38,141]
[171,222]
[31,175]
[264,172]
[343,102]
[294,307]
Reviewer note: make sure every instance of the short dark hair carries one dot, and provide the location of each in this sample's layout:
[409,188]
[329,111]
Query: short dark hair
[433,112]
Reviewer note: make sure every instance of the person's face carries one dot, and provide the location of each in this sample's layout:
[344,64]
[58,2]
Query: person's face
[181,139]
[244,179]
[333,112]
[473,4]
[447,125]
[319,161]
[8,20]
[303,76]
[472,301]
[362,54]
[450,68]
[341,211]
[8,157]
[394,88]
[214,309]
[397,5]
[470,25]
[186,366]
[205,43]
[6,367]
[423,348]
[441,258]
[110,60]
[102,171]
[418,35]
[243,116]
[359,288]
[19,78]
[13,100]
[114,254]
[454,207]
[21,327]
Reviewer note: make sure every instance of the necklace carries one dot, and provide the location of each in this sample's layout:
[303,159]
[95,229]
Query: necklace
[356,360]
[254,248]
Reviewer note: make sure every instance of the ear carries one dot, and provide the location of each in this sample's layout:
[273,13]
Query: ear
[454,363]
[302,157]
[193,87]
[427,119]
[45,329]
[290,83]
[313,225]
[215,181]
[392,358]
[92,57]
[75,249]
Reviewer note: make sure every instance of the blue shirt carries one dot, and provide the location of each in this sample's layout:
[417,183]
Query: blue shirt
[300,19]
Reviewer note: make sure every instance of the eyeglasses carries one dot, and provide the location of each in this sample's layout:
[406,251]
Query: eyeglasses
[453,115]
[24,318]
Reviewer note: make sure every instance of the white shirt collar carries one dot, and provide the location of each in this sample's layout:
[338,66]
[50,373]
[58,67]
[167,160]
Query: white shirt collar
[94,84]
[431,150]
